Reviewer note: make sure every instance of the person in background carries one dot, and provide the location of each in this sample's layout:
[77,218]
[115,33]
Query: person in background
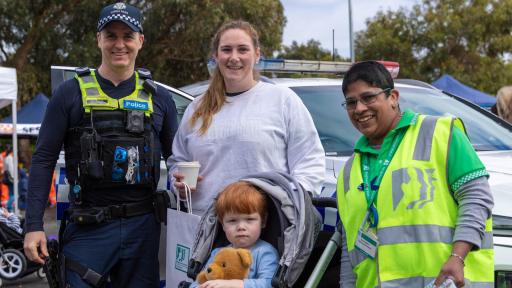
[504,103]
[242,126]
[8,179]
[115,124]
[414,198]
[11,220]
[22,189]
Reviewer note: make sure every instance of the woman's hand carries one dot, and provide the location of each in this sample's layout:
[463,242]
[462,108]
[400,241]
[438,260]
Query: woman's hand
[453,268]
[179,183]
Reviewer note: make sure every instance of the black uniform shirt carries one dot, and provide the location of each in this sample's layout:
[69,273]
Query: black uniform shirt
[64,111]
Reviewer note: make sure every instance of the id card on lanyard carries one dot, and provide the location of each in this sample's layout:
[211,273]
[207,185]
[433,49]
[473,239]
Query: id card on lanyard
[367,240]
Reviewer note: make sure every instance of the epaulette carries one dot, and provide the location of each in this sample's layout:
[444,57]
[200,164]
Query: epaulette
[150,86]
[144,73]
[83,71]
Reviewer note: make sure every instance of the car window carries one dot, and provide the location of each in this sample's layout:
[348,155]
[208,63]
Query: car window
[338,135]
[181,104]
[483,132]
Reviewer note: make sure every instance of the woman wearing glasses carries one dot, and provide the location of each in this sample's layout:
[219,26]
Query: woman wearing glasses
[414,198]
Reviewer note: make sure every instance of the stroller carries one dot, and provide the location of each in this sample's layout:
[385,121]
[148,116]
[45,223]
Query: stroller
[292,228]
[13,262]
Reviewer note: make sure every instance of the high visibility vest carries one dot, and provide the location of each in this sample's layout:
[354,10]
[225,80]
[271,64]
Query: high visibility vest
[417,214]
[93,97]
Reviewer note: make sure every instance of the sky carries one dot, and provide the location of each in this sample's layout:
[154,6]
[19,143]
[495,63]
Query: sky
[315,19]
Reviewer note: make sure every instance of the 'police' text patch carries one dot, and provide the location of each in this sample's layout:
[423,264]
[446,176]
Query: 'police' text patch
[135,105]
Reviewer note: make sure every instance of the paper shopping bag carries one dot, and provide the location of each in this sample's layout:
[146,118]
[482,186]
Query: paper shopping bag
[181,232]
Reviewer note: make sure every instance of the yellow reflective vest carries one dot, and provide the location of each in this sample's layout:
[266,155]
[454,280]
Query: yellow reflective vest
[93,97]
[417,214]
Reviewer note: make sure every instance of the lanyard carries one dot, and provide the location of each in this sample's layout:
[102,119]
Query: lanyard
[371,188]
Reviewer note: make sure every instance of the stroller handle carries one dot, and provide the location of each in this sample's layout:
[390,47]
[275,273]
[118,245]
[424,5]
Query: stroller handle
[325,202]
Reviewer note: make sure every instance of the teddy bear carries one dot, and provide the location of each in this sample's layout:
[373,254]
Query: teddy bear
[229,263]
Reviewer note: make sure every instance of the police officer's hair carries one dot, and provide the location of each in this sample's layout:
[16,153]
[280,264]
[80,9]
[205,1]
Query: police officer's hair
[371,72]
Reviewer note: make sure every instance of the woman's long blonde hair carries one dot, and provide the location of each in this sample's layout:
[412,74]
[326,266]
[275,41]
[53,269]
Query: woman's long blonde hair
[504,103]
[215,96]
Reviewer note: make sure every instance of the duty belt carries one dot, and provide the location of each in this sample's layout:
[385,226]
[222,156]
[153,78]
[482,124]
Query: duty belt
[94,215]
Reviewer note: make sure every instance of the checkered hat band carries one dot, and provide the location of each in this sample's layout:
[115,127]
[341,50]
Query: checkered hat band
[119,17]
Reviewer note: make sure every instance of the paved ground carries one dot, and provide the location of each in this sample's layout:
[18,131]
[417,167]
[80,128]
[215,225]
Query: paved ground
[32,280]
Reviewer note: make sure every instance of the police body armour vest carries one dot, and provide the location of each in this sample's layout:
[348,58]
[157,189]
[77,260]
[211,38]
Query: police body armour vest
[417,214]
[113,146]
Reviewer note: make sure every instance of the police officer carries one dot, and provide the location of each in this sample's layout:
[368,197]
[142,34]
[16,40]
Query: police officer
[115,125]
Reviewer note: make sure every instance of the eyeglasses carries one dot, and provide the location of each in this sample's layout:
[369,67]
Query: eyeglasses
[365,98]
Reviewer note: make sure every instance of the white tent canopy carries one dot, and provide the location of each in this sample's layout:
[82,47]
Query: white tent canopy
[8,95]
[8,86]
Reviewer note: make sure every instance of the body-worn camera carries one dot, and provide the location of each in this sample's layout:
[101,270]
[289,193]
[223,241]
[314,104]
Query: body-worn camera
[135,121]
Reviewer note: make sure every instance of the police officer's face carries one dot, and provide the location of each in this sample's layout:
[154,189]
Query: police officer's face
[119,46]
[378,116]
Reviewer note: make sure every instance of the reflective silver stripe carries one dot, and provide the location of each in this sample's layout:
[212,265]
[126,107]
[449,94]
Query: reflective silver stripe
[408,282]
[423,234]
[356,257]
[481,285]
[87,79]
[423,146]
[143,95]
[415,234]
[97,102]
[346,173]
[487,242]
[424,281]
[93,91]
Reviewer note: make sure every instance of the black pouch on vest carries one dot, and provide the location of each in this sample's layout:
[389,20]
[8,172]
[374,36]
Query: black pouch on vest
[161,201]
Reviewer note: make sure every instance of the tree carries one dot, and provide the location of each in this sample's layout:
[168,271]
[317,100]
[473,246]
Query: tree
[309,51]
[36,34]
[470,39]
[312,50]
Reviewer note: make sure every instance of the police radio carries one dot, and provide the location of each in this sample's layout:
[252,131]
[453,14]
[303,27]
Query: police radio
[89,147]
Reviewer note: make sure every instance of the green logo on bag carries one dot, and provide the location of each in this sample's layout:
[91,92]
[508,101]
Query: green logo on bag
[182,256]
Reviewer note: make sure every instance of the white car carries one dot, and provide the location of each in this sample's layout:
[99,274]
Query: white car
[491,137]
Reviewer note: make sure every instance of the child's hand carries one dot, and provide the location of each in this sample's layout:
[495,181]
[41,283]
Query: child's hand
[223,284]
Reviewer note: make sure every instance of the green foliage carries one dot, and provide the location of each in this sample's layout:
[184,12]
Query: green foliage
[312,50]
[35,34]
[469,39]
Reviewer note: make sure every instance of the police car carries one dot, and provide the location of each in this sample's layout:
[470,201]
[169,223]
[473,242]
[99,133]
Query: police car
[491,136]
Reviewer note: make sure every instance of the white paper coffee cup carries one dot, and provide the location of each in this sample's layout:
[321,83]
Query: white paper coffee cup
[190,171]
